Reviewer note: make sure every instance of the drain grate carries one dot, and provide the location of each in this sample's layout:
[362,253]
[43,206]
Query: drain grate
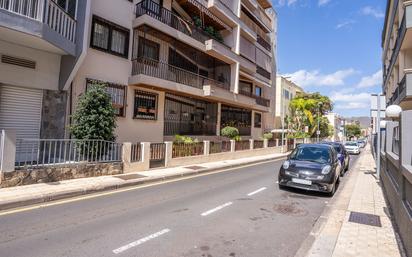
[195,167]
[365,218]
[130,176]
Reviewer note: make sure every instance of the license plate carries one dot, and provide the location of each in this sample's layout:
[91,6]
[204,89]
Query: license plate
[301,181]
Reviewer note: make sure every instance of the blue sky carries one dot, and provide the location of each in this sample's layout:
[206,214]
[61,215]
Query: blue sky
[332,47]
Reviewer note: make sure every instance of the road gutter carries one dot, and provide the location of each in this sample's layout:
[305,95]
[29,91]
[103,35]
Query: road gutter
[52,198]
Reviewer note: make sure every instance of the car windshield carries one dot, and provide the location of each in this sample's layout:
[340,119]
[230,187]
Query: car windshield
[351,144]
[312,154]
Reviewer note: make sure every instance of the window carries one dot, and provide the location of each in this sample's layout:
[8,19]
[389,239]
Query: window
[286,94]
[145,105]
[258,120]
[68,6]
[236,117]
[258,91]
[148,49]
[245,87]
[109,37]
[116,92]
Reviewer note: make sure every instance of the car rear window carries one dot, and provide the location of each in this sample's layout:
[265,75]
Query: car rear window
[312,154]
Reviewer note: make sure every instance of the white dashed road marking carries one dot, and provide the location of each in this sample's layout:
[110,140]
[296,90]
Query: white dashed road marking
[216,209]
[257,191]
[140,241]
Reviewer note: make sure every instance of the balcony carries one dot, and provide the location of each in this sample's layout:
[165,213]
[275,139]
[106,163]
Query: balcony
[41,18]
[259,99]
[403,92]
[165,16]
[165,71]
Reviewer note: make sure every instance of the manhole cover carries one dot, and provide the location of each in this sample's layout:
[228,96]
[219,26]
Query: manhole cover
[195,167]
[130,176]
[365,219]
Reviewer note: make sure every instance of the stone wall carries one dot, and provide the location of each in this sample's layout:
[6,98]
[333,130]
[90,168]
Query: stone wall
[53,114]
[58,173]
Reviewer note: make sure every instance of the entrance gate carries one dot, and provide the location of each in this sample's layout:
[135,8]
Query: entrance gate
[157,155]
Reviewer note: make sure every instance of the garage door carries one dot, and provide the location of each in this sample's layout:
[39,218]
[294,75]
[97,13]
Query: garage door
[20,110]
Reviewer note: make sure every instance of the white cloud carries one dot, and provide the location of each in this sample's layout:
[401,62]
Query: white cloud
[371,11]
[371,81]
[315,78]
[345,24]
[352,106]
[287,2]
[323,2]
[348,101]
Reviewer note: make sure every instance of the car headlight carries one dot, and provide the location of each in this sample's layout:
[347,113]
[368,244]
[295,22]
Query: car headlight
[286,165]
[326,169]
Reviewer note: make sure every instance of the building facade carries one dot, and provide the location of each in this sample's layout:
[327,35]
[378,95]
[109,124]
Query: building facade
[42,43]
[396,147]
[185,67]
[336,123]
[286,90]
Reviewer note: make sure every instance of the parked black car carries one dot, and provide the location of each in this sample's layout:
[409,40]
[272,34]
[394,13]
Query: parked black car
[314,167]
[343,155]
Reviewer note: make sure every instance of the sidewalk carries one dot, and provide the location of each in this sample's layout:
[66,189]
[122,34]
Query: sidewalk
[334,235]
[44,192]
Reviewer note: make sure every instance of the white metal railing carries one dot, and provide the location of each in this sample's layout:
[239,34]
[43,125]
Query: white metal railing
[37,153]
[46,11]
[1,148]
[59,20]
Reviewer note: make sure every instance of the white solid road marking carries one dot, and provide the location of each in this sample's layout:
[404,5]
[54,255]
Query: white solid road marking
[140,241]
[216,209]
[257,191]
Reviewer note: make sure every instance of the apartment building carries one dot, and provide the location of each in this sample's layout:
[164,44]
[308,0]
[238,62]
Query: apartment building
[397,137]
[286,90]
[42,43]
[186,67]
[336,123]
[171,67]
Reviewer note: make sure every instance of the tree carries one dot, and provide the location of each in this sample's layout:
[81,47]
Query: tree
[353,130]
[94,117]
[306,110]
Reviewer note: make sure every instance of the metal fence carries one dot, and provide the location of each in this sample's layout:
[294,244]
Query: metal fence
[37,153]
[242,145]
[1,148]
[272,143]
[136,152]
[187,149]
[220,147]
[257,144]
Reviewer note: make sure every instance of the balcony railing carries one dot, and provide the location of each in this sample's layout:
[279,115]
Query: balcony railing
[263,42]
[259,100]
[169,72]
[167,17]
[45,11]
[263,72]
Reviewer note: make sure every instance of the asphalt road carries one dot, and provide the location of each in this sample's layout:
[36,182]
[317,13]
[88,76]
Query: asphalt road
[240,212]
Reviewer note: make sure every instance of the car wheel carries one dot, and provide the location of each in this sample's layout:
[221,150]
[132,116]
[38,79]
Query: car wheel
[281,187]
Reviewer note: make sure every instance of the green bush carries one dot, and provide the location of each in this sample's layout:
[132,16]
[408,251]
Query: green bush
[230,132]
[184,139]
[197,21]
[268,136]
[94,117]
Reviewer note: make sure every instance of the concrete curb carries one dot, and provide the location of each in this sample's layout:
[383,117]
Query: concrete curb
[73,192]
[306,246]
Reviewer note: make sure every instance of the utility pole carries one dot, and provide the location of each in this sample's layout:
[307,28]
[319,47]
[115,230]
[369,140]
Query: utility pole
[283,117]
[378,134]
[318,130]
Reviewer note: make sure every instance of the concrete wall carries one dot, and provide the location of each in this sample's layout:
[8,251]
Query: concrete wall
[44,76]
[396,175]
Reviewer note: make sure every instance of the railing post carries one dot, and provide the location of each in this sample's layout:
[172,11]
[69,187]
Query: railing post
[168,153]
[294,143]
[8,151]
[206,147]
[265,143]
[277,142]
[232,146]
[126,153]
[145,155]
[251,144]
